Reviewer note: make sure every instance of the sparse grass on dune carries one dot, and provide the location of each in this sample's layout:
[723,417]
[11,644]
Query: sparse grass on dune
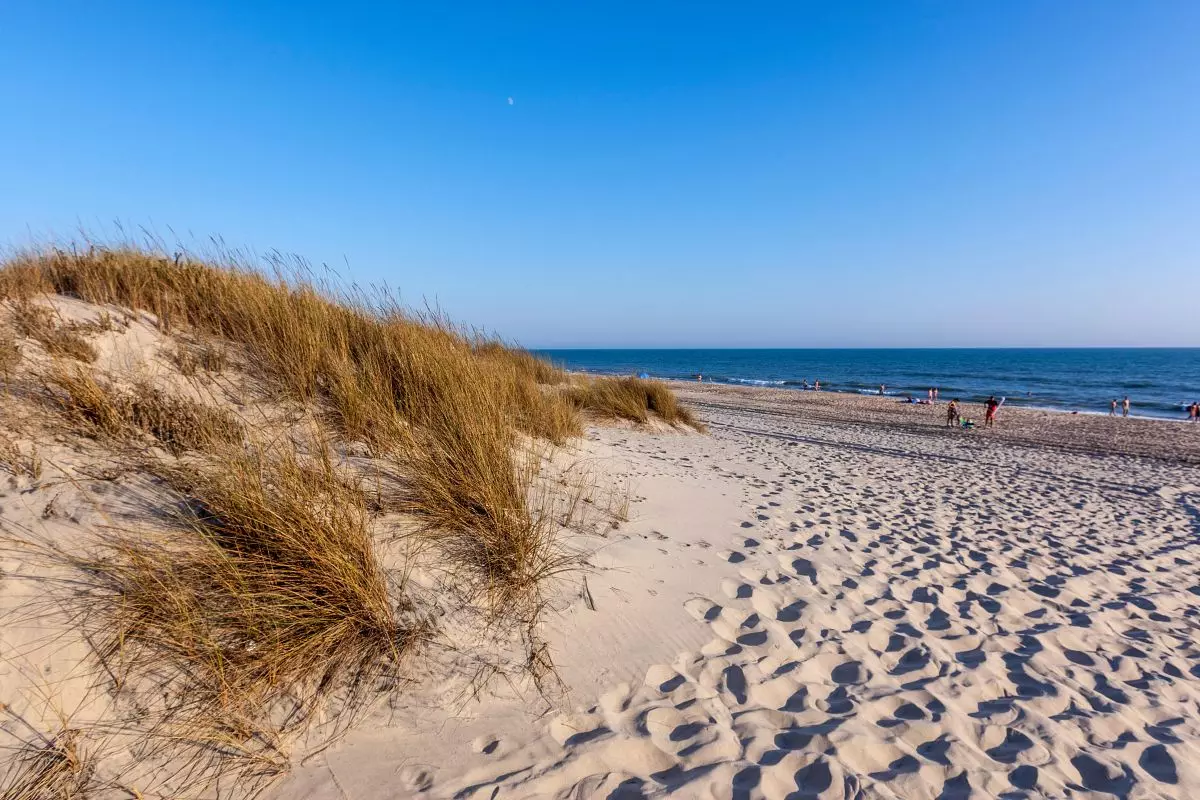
[17,462]
[206,357]
[269,597]
[10,356]
[178,423]
[85,400]
[39,324]
[633,399]
[57,768]
[478,507]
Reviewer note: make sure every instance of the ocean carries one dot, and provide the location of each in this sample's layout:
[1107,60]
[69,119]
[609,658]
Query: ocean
[1160,382]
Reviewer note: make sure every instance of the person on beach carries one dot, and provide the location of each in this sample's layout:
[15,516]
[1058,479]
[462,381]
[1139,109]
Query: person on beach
[935,394]
[881,388]
[817,385]
[931,394]
[953,418]
[1125,406]
[1112,408]
[1194,412]
[989,415]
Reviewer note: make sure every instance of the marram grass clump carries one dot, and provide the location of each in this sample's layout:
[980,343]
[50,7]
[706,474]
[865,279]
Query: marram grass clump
[635,399]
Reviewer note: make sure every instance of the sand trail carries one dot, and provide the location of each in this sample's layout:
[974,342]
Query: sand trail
[895,616]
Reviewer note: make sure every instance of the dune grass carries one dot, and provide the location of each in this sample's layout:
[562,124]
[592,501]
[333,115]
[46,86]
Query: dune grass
[17,462]
[57,768]
[38,323]
[10,356]
[634,399]
[267,598]
[538,369]
[178,423]
[193,358]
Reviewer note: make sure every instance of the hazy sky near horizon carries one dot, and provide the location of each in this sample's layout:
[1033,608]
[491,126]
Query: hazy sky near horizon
[666,174]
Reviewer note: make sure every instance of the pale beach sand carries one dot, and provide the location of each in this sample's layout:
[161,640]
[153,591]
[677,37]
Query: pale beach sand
[825,596]
[830,596]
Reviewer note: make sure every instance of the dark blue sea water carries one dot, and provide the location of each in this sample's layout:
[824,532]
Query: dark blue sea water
[1160,382]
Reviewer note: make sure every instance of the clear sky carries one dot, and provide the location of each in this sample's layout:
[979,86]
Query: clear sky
[667,174]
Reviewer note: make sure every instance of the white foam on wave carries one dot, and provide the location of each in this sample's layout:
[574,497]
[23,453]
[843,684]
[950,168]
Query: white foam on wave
[755,382]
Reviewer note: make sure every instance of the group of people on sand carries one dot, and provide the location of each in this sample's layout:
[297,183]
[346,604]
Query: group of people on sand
[1112,407]
[954,417]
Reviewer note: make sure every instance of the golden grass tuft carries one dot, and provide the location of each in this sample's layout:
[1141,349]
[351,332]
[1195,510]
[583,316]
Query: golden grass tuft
[181,424]
[539,369]
[178,423]
[57,768]
[10,356]
[207,357]
[86,401]
[17,462]
[38,323]
[268,599]
[634,399]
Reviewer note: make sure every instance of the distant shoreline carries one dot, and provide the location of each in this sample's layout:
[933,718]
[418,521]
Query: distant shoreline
[1160,383]
[1098,434]
[1011,402]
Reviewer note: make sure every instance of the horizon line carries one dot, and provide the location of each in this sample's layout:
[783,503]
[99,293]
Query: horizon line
[888,347]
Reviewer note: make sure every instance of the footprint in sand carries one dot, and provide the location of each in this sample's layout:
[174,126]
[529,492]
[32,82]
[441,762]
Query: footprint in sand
[486,745]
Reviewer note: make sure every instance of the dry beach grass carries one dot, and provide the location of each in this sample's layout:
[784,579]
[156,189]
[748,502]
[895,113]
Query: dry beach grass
[634,399]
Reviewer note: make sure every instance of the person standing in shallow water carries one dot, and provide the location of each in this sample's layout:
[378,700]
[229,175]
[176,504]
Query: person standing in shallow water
[1112,408]
[1125,406]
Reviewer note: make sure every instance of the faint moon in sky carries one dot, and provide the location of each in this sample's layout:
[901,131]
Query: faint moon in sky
[510,101]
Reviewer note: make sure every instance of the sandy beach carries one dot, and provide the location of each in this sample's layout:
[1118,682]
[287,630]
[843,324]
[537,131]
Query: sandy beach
[831,596]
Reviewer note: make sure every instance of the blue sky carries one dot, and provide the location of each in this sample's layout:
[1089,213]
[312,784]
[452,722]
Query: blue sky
[668,174]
